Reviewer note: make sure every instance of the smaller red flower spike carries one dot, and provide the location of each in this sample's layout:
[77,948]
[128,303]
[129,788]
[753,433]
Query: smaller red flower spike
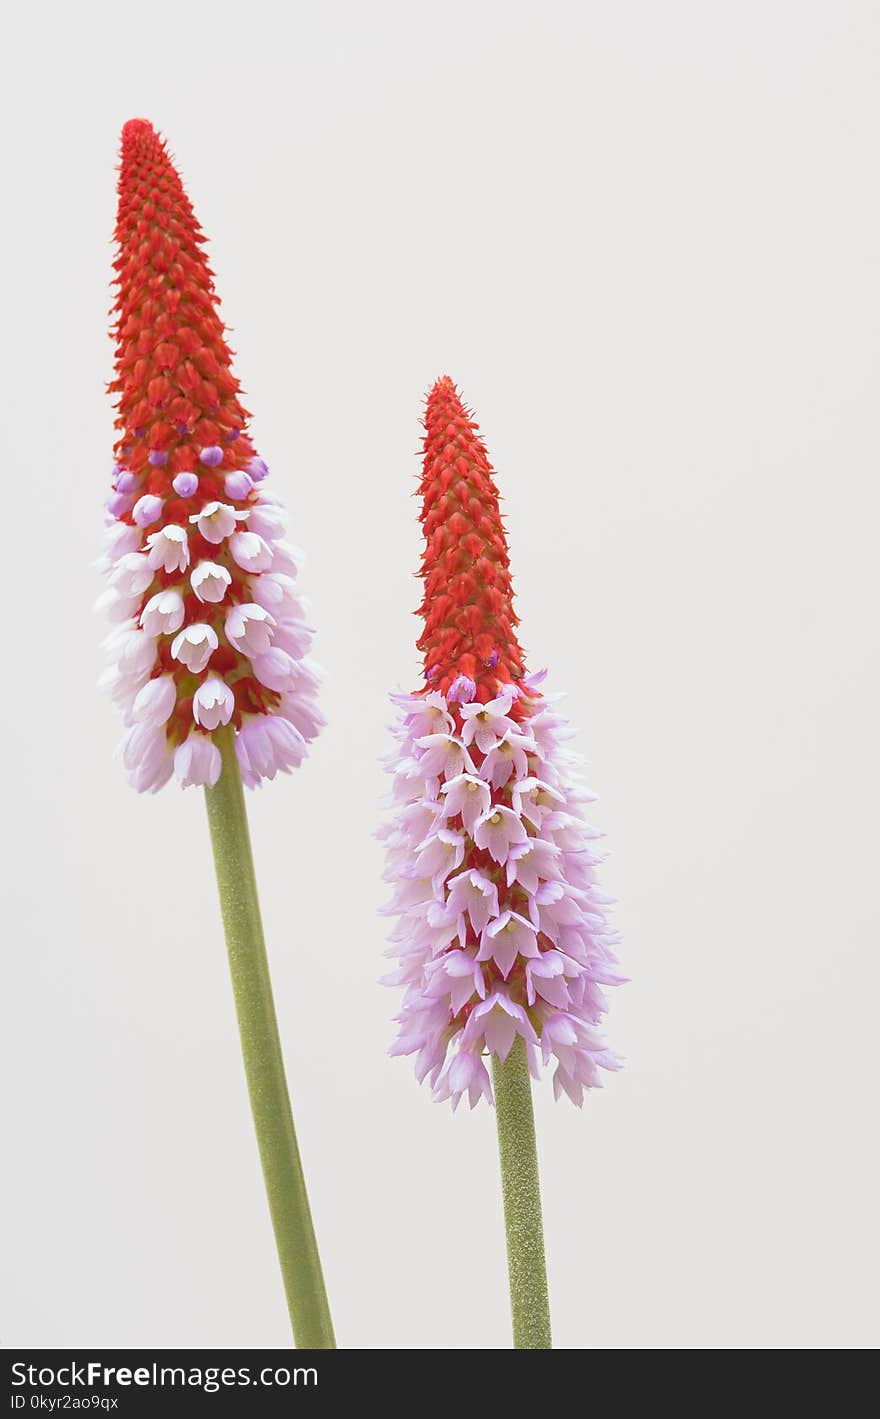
[502,930]
[211,629]
[468,600]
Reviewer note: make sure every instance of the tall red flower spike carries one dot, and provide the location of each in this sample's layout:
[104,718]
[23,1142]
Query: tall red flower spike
[503,930]
[468,604]
[212,631]
[177,393]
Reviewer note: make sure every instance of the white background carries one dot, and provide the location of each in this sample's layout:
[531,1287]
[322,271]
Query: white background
[645,241]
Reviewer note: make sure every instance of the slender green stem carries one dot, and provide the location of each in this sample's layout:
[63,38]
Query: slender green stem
[521,1188]
[263,1060]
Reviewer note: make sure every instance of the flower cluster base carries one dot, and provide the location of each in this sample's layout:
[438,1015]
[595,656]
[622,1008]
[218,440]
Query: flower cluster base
[501,927]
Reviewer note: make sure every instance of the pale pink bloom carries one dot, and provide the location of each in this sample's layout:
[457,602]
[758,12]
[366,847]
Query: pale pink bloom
[508,756]
[136,653]
[286,559]
[497,1020]
[505,938]
[249,628]
[147,757]
[169,549]
[132,574]
[268,520]
[250,552]
[545,976]
[443,754]
[466,796]
[427,714]
[278,594]
[532,799]
[194,646]
[458,975]
[440,854]
[497,829]
[301,709]
[115,607]
[530,912]
[475,895]
[465,1074]
[210,582]
[295,637]
[197,761]
[266,745]
[217,521]
[484,725]
[275,669]
[532,862]
[155,701]
[213,703]
[163,613]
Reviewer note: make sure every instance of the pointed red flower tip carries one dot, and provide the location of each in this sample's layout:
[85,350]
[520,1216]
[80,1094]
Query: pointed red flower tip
[136,127]
[468,598]
[176,393]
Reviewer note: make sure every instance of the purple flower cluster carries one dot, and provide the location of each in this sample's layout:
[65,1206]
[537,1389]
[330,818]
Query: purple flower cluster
[501,930]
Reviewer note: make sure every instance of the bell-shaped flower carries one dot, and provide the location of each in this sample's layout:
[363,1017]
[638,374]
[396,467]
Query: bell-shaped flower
[155,701]
[133,574]
[213,703]
[169,549]
[275,669]
[194,646]
[163,613]
[251,552]
[249,628]
[216,521]
[210,581]
[197,761]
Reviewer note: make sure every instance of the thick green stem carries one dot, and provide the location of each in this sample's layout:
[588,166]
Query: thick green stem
[263,1060]
[521,1188]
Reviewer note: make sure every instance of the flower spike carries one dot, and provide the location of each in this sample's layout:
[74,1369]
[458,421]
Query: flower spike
[504,933]
[211,630]
[209,653]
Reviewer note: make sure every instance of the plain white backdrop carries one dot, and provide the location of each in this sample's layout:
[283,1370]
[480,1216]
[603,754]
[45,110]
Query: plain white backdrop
[645,240]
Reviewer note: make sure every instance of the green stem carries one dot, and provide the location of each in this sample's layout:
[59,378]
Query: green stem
[263,1060]
[521,1188]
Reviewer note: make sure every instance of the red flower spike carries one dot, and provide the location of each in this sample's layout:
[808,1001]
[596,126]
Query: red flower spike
[503,930]
[177,393]
[468,600]
[211,630]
